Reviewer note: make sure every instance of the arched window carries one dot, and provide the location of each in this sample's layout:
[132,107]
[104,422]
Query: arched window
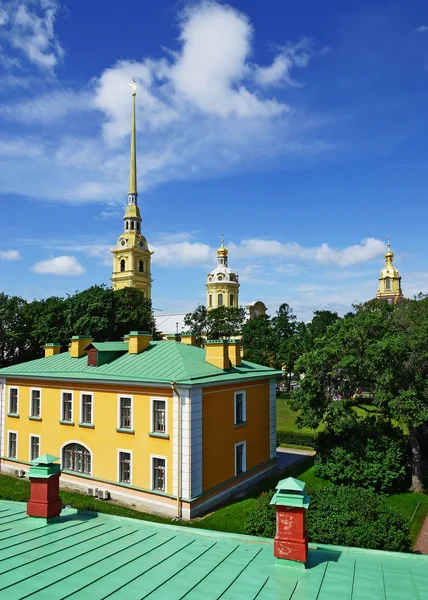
[76,457]
[141,266]
[122,265]
[210,300]
[231,300]
[387,285]
[132,225]
[220,300]
[126,225]
[138,227]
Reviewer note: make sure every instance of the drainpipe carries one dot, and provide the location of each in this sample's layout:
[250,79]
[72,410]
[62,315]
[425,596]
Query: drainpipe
[179,443]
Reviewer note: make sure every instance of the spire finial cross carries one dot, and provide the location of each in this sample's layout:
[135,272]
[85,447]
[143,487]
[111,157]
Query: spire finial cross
[222,239]
[133,86]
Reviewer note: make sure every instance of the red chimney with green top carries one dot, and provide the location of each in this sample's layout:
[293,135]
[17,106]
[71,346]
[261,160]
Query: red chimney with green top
[44,489]
[291,502]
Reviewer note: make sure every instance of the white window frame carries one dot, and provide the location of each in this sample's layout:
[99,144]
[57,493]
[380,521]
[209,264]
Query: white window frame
[80,444]
[244,407]
[8,443]
[31,403]
[12,387]
[81,408]
[119,396]
[33,435]
[61,416]
[152,414]
[152,456]
[244,458]
[119,451]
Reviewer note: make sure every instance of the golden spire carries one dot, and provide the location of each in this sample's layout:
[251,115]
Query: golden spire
[222,251]
[133,164]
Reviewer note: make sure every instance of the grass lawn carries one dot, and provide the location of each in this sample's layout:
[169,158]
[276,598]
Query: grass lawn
[229,518]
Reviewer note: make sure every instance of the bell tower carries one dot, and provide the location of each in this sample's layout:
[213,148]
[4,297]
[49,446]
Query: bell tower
[222,283]
[131,256]
[390,280]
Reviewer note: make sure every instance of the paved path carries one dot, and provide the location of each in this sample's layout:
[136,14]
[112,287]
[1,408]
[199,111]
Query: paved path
[422,541]
[290,456]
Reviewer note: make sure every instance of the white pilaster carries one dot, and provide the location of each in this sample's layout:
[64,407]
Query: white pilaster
[272,417]
[196,442]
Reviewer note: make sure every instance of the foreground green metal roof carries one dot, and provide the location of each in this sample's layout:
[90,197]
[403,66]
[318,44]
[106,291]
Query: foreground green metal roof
[90,556]
[161,362]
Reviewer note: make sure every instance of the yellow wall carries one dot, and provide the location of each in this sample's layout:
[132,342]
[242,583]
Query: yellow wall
[103,441]
[219,435]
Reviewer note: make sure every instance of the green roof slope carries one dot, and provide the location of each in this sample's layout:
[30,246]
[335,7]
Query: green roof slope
[92,557]
[161,362]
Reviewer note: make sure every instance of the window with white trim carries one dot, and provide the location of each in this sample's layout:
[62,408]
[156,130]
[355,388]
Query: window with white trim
[86,411]
[35,403]
[77,458]
[159,416]
[240,408]
[125,467]
[159,474]
[388,285]
[12,445]
[240,458]
[67,406]
[34,447]
[13,401]
[125,412]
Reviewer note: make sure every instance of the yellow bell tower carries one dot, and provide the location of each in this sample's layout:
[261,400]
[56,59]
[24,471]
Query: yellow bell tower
[390,280]
[222,283]
[131,256]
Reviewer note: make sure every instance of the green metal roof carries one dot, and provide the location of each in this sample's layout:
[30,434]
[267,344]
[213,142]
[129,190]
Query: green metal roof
[161,362]
[89,556]
[110,346]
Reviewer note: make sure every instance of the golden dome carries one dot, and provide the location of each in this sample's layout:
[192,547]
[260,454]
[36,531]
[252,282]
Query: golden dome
[222,251]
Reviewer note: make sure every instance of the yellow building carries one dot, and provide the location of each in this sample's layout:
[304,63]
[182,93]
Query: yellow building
[390,280]
[173,428]
[222,283]
[131,256]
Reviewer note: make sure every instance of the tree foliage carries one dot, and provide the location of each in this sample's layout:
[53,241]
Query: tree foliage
[339,515]
[215,324]
[98,311]
[259,341]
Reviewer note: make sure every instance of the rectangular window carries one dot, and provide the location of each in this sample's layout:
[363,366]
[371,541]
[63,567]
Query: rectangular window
[67,406]
[87,408]
[240,408]
[13,401]
[159,416]
[34,447]
[13,444]
[125,413]
[35,403]
[240,458]
[125,467]
[231,300]
[159,474]
[210,300]
[220,300]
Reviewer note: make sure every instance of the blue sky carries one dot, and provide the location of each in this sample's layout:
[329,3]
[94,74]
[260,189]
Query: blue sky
[297,129]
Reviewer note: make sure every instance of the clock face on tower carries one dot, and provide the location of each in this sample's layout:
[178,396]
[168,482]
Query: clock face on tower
[123,242]
[141,244]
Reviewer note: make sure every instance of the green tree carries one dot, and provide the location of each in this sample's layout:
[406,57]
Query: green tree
[132,312]
[217,323]
[14,330]
[321,321]
[91,312]
[259,341]
[196,322]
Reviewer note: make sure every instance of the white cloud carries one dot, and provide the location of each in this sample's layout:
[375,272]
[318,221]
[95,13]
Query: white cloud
[278,72]
[421,29]
[60,265]
[29,28]
[9,255]
[186,254]
[22,148]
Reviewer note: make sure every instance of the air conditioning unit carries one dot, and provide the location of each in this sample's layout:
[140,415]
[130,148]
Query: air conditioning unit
[103,494]
[16,472]
[93,492]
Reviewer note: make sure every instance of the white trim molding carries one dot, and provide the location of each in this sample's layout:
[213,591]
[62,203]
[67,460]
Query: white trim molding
[30,413]
[272,417]
[153,456]
[11,387]
[119,397]
[119,452]
[244,407]
[81,406]
[2,414]
[8,443]
[153,399]
[244,457]
[61,407]
[30,437]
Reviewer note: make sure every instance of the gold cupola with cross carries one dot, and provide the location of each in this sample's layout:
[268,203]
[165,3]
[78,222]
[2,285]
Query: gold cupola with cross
[131,256]
[222,283]
[390,280]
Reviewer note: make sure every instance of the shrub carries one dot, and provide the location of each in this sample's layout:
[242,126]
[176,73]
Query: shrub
[344,516]
[369,453]
[295,437]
